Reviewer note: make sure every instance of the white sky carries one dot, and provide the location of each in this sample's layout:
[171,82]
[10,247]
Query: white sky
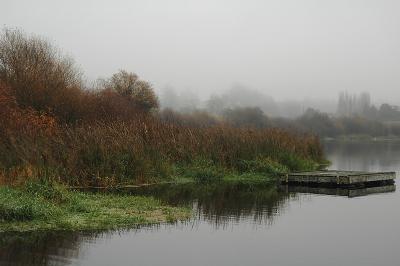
[290,49]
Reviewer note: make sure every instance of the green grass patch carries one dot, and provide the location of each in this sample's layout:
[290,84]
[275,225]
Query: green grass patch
[259,170]
[202,171]
[51,207]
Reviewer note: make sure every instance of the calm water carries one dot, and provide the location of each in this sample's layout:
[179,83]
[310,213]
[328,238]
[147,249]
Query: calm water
[245,225]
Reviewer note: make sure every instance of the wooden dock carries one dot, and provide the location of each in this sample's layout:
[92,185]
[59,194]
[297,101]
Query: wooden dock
[339,178]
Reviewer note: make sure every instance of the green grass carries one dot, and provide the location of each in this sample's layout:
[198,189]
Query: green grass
[260,170]
[51,207]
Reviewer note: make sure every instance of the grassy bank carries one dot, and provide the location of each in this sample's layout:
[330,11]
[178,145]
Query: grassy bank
[45,204]
[38,206]
[263,169]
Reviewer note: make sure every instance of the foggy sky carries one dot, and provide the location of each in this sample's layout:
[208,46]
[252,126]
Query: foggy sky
[289,49]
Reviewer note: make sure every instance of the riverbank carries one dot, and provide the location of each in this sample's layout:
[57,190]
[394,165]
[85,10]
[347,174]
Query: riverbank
[38,206]
[48,205]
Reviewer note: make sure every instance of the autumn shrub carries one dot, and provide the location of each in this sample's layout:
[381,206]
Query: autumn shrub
[17,125]
[41,77]
[140,93]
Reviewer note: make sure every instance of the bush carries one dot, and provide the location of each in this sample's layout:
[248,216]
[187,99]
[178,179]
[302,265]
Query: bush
[139,92]
[203,170]
[39,75]
[296,163]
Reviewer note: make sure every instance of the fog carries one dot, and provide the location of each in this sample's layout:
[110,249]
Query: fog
[290,50]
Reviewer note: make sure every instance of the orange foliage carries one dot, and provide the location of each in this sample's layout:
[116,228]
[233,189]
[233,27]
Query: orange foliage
[18,120]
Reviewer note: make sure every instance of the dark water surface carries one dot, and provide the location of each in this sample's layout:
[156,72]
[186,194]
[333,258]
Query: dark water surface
[246,225]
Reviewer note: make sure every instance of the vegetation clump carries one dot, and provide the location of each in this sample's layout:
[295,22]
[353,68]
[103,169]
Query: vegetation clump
[44,206]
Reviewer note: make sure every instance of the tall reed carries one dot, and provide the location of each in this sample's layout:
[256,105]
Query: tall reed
[142,150]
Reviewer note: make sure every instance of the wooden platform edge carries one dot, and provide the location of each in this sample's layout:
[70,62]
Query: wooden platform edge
[347,178]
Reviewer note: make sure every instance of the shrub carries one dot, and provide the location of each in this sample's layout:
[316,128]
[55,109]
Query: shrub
[262,165]
[139,92]
[39,75]
[203,170]
[296,163]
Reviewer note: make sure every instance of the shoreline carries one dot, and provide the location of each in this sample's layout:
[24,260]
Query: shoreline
[47,205]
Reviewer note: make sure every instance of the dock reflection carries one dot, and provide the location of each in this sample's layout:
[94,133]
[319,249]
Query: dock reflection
[346,192]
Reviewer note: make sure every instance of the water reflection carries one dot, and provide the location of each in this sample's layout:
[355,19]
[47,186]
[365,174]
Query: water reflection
[351,193]
[40,248]
[364,155]
[217,204]
[221,203]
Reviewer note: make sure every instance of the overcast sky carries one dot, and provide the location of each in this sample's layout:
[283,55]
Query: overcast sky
[287,48]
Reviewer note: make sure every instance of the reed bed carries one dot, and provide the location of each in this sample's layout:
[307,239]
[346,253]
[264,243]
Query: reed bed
[142,150]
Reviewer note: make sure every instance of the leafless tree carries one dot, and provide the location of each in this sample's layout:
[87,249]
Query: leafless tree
[128,84]
[40,76]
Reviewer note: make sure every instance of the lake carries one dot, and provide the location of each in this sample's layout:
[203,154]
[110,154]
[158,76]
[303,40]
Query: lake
[238,224]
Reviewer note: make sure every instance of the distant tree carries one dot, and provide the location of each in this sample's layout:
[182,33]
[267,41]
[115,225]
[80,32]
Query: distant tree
[372,113]
[129,85]
[246,117]
[241,96]
[345,104]
[354,105]
[169,98]
[360,125]
[363,103]
[389,112]
[215,104]
[189,101]
[317,122]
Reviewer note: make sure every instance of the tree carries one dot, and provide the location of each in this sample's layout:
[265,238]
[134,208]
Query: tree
[169,98]
[389,112]
[128,84]
[39,76]
[215,104]
[317,122]
[246,117]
